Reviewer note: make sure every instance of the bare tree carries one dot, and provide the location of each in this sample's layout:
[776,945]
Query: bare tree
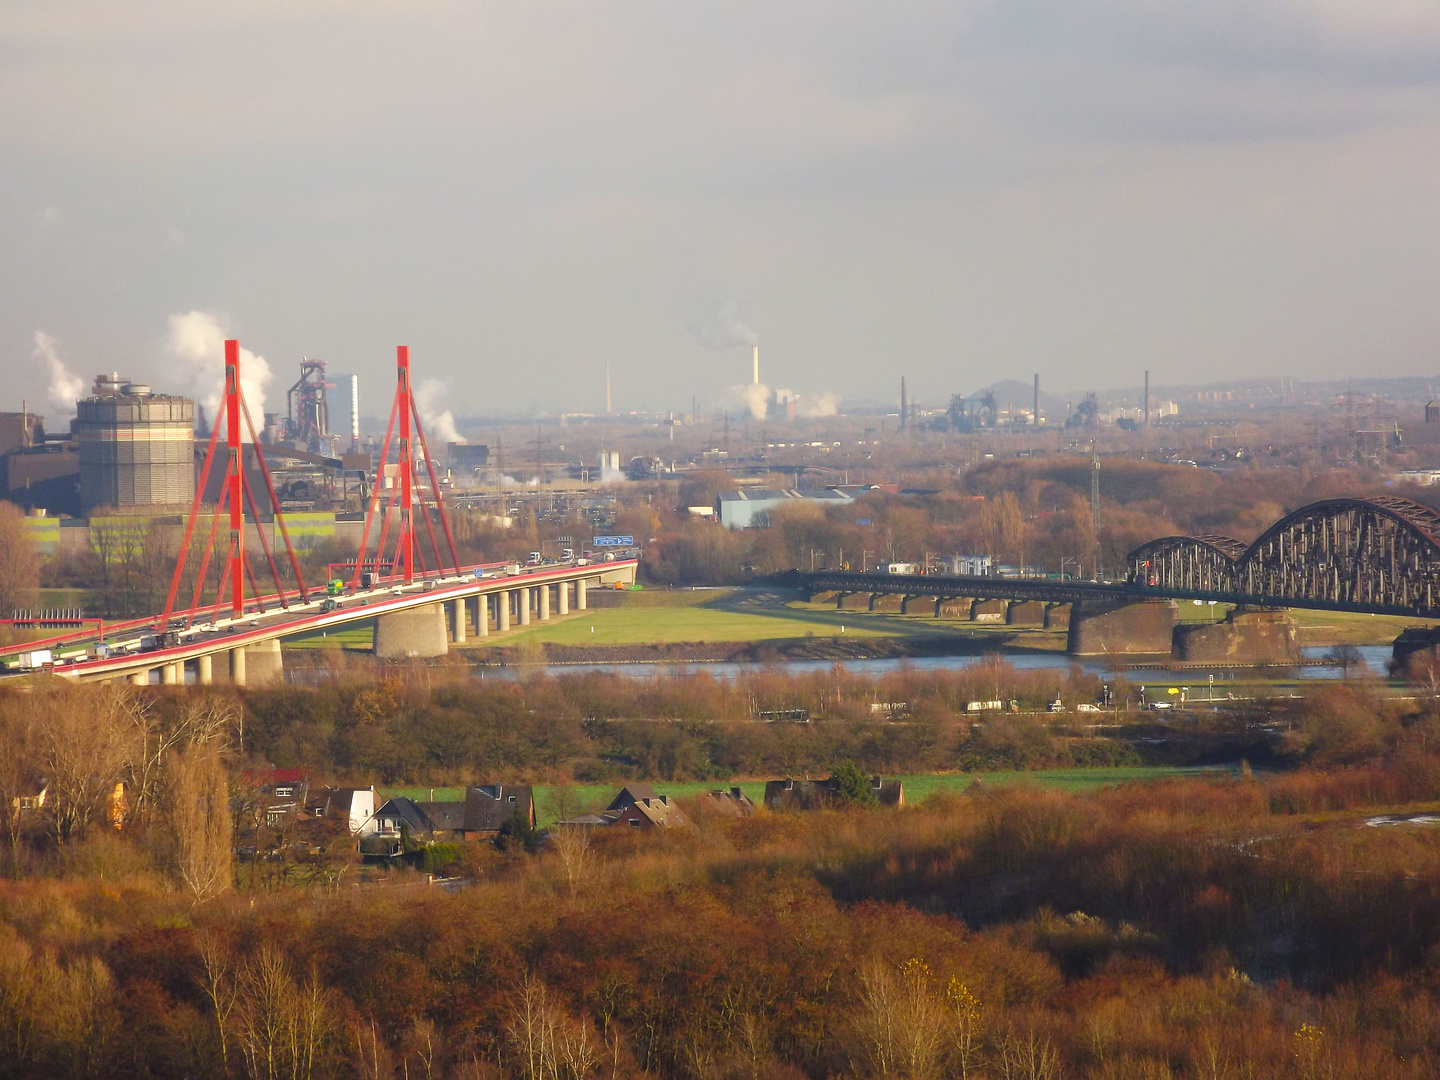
[572,846]
[200,819]
[88,740]
[281,1027]
[202,721]
[19,561]
[19,772]
[218,982]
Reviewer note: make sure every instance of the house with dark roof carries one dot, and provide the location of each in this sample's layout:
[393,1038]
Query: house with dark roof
[792,794]
[728,803]
[652,812]
[635,806]
[483,812]
[631,794]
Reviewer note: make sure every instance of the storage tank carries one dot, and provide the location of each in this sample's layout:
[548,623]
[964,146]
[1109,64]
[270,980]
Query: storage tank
[137,448]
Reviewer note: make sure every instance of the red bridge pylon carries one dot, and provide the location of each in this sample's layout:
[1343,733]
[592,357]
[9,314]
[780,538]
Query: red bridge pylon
[235,493]
[405,494]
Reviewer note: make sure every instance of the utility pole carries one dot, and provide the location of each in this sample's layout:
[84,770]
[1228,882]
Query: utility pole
[1095,503]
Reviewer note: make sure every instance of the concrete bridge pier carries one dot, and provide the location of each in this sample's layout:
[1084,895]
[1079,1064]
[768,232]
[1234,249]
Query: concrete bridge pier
[524,595]
[1144,629]
[580,594]
[544,603]
[263,663]
[953,607]
[420,631]
[140,678]
[172,674]
[918,605]
[237,666]
[482,616]
[459,615]
[502,611]
[562,597]
[204,670]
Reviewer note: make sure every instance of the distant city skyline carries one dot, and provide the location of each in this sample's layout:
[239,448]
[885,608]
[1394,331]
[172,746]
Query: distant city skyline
[954,193]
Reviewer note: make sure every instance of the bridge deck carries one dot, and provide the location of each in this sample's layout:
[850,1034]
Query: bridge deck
[225,635]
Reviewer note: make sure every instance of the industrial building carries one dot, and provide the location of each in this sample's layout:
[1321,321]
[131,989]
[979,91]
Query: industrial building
[749,509]
[137,448]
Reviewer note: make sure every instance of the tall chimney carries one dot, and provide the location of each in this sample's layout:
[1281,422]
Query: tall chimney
[1035,416]
[1145,422]
[904,403]
[354,412]
[755,356]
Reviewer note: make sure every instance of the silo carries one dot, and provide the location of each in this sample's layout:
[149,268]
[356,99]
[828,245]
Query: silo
[137,448]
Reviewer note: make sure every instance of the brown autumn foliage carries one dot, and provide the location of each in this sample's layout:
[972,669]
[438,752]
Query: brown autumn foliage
[1203,927]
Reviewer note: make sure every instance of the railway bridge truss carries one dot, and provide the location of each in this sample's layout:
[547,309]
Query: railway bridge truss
[1376,555]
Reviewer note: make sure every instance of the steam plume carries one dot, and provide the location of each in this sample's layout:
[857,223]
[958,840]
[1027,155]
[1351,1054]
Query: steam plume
[197,341]
[811,406]
[439,426]
[753,396]
[65,387]
[723,330]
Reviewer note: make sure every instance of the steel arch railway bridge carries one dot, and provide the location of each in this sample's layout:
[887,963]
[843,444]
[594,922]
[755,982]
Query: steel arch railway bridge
[1377,554]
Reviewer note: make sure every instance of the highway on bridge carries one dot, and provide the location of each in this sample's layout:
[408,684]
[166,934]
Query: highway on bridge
[526,588]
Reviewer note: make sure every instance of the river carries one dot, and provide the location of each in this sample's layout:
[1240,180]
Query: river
[1375,660]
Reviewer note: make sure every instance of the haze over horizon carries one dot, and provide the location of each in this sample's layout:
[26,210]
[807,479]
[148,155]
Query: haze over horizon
[956,192]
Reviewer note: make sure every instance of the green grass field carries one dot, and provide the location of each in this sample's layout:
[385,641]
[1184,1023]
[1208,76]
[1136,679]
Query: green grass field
[353,636]
[588,798]
[729,615]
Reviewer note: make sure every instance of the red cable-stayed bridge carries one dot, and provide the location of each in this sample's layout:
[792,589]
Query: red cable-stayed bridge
[419,594]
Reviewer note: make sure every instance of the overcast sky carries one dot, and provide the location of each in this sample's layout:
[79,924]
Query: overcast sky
[958,192]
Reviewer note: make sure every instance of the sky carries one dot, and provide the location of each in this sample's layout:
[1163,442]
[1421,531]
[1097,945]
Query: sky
[957,192]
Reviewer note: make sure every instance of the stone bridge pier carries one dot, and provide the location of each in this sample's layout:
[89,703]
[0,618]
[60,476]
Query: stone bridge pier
[1145,629]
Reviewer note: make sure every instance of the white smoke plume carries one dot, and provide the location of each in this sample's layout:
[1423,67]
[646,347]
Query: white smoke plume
[65,387]
[753,396]
[439,425]
[723,330]
[197,341]
[813,405]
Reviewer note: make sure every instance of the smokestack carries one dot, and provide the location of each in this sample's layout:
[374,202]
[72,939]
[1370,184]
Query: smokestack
[904,403]
[1145,422]
[607,387]
[354,412]
[1035,416]
[755,356]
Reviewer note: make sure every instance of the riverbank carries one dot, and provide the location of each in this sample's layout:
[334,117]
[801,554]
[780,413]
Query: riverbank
[854,647]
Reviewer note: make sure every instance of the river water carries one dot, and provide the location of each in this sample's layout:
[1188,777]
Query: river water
[1375,659]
